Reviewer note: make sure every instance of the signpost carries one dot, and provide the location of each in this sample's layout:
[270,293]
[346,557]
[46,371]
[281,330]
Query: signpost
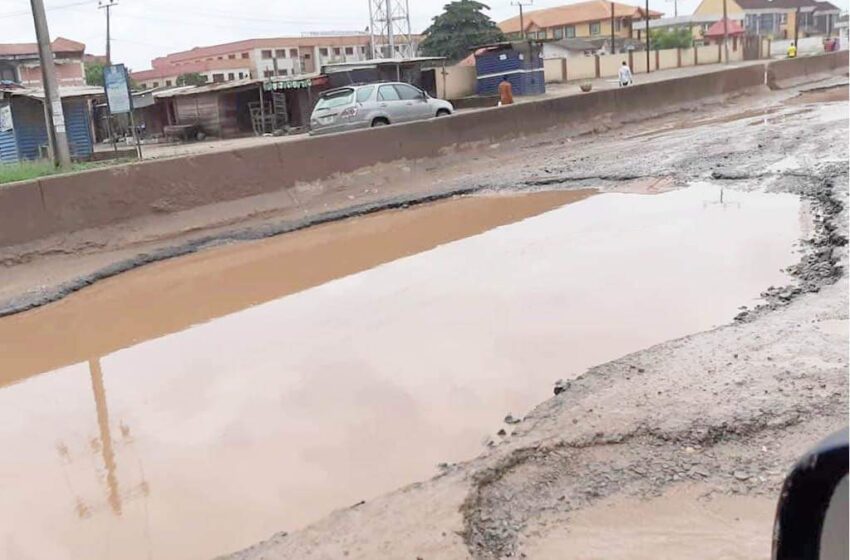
[118,97]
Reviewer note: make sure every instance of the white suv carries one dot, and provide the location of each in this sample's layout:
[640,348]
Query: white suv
[367,105]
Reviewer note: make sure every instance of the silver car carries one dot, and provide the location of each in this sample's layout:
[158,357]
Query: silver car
[367,105]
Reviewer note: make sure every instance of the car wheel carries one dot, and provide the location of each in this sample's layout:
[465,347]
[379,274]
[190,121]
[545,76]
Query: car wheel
[443,113]
[380,122]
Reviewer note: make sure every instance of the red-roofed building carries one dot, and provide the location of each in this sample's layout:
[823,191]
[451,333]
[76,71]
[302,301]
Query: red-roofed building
[257,58]
[19,63]
[718,30]
[588,20]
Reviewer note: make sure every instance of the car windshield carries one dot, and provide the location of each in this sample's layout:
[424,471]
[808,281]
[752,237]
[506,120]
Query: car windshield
[335,99]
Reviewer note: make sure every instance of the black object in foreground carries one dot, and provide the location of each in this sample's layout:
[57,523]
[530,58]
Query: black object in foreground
[812,515]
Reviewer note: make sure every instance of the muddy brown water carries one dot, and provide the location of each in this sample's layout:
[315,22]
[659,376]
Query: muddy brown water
[196,406]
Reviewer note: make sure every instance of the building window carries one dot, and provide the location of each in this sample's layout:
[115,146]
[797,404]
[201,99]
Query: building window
[349,50]
[280,53]
[570,31]
[323,51]
[283,72]
[221,58]
[246,55]
[306,56]
[241,75]
[218,78]
[156,84]
[558,33]
[231,56]
[268,73]
[784,18]
[618,24]
[293,53]
[167,83]
[231,76]
[337,51]
[362,50]
[595,28]
[266,54]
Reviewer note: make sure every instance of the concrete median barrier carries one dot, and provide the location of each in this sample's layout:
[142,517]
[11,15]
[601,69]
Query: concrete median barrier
[783,73]
[54,205]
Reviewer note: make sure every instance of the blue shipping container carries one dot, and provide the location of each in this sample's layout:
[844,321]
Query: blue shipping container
[521,63]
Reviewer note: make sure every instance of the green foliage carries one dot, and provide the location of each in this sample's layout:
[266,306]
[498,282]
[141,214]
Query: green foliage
[462,25]
[94,73]
[25,170]
[191,79]
[678,38]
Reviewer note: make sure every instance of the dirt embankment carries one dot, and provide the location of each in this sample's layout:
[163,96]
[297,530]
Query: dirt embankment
[704,426]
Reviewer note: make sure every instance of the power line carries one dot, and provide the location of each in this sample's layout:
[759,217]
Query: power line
[50,9]
[192,16]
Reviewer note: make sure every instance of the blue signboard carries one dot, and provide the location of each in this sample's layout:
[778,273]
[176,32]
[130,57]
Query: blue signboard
[117,89]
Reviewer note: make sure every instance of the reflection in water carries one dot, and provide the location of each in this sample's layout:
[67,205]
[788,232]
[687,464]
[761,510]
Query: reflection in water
[105,436]
[270,417]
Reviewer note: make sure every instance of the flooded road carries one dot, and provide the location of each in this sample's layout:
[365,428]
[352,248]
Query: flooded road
[193,407]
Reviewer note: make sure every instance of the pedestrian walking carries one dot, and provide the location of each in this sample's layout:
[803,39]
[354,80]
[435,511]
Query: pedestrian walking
[625,75]
[506,92]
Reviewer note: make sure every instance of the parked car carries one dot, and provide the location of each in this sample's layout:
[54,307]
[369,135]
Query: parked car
[369,105]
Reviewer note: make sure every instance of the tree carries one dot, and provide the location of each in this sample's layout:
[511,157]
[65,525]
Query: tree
[678,38]
[462,25]
[94,73]
[191,79]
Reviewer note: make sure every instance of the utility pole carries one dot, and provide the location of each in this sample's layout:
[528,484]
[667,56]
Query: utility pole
[390,37]
[55,118]
[646,17]
[521,4]
[613,42]
[725,34]
[107,4]
[675,9]
[797,28]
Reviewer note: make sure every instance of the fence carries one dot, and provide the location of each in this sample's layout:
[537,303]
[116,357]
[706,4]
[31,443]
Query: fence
[607,66]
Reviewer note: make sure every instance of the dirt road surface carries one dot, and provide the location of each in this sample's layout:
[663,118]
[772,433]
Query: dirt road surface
[676,450]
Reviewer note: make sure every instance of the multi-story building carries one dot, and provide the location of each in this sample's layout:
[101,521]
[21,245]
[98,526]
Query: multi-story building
[19,63]
[777,18]
[586,20]
[256,58]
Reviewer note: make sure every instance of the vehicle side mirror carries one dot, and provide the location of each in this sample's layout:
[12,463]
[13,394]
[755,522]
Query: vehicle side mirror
[812,514]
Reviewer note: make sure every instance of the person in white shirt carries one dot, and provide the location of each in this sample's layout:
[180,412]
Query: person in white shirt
[625,75]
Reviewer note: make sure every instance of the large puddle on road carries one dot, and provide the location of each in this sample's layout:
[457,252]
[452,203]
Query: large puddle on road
[332,365]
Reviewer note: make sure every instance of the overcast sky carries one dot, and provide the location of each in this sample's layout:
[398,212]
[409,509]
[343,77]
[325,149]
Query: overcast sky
[144,29]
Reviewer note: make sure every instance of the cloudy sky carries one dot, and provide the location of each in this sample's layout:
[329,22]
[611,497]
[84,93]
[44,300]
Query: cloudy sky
[144,29]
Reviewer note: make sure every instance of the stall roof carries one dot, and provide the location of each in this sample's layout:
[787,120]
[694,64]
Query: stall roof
[376,62]
[208,88]
[64,91]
